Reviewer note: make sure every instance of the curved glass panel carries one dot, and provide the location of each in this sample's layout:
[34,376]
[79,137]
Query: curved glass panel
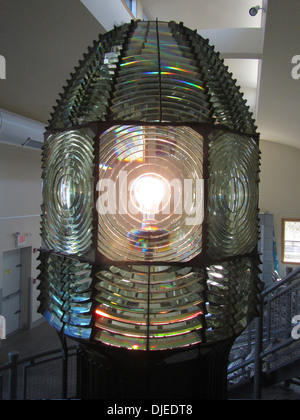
[179,73]
[68,196]
[66,292]
[172,156]
[86,95]
[149,308]
[231,297]
[156,68]
[226,101]
[232,195]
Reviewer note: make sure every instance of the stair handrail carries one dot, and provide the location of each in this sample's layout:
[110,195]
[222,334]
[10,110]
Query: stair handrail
[281,282]
[259,330]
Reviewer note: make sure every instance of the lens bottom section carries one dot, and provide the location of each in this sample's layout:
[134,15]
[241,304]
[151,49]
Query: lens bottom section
[150,307]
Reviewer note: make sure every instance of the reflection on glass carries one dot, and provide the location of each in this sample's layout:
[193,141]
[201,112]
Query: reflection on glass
[67,191]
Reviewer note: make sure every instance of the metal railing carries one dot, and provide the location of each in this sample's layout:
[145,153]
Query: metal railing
[46,375]
[266,347]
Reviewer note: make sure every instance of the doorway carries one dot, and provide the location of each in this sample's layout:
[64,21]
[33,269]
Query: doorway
[15,290]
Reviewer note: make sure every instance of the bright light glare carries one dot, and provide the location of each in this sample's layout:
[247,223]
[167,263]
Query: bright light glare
[148,191]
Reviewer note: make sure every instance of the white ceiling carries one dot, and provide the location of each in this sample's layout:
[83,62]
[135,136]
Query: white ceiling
[42,42]
[204,14]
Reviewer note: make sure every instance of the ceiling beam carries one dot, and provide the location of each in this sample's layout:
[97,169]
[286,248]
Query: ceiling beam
[108,12]
[236,42]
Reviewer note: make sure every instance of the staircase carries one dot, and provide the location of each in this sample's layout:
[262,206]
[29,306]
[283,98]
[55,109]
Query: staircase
[266,353]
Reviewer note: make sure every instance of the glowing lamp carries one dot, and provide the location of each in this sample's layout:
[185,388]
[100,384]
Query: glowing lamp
[148,191]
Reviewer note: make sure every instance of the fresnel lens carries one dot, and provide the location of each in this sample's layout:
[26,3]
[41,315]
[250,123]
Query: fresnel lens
[150,197]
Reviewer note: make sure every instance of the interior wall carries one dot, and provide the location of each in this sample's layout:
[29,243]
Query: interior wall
[20,192]
[279,187]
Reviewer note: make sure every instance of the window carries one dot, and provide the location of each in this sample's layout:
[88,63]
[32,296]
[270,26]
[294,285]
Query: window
[291,241]
[131,4]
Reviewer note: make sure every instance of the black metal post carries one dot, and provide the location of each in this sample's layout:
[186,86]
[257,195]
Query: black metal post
[198,373]
[1,387]
[13,375]
[64,365]
[258,350]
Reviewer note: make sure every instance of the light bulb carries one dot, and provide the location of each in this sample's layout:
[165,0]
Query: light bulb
[147,193]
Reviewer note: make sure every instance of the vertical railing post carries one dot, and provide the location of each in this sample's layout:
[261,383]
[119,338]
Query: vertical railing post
[64,366]
[13,375]
[269,321]
[258,350]
[288,314]
[78,372]
[1,387]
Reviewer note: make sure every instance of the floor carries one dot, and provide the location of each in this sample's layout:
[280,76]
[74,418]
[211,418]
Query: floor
[28,342]
[275,392]
[43,338]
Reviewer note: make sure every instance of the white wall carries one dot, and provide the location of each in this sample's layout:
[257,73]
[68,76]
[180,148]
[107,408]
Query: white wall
[20,200]
[280,187]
